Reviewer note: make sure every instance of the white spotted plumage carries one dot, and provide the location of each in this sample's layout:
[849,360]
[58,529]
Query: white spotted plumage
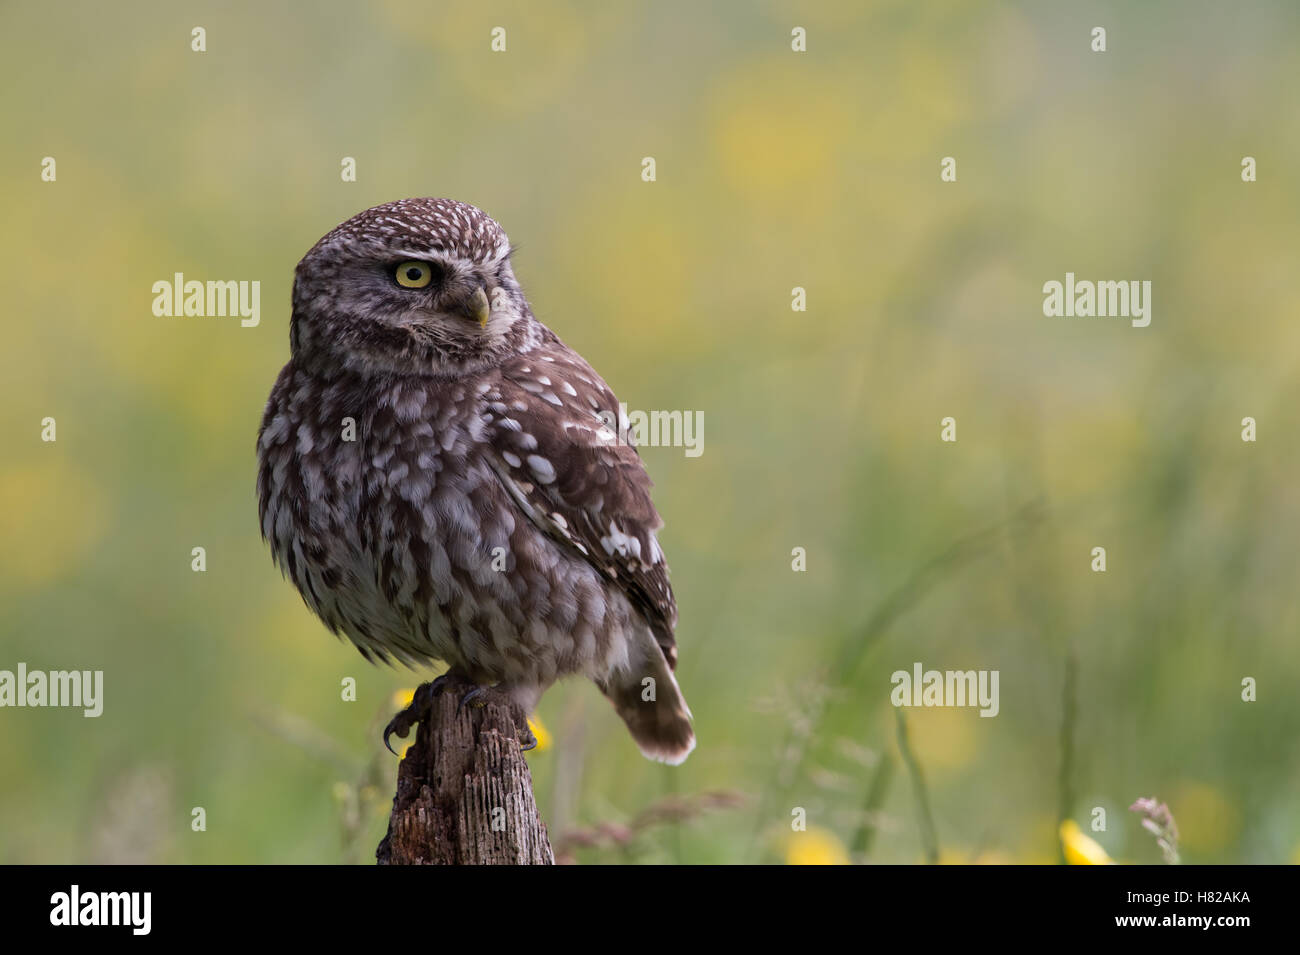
[464,450]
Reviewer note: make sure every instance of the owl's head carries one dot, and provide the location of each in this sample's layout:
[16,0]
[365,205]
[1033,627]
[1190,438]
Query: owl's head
[420,286]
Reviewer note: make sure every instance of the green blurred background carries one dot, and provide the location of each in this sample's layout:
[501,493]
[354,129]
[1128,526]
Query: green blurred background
[775,169]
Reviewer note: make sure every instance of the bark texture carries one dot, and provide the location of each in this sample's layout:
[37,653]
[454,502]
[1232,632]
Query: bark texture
[464,792]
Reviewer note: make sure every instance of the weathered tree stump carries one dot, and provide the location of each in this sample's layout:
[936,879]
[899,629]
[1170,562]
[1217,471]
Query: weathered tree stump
[464,792]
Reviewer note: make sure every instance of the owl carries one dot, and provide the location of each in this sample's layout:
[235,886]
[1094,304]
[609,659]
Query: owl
[443,479]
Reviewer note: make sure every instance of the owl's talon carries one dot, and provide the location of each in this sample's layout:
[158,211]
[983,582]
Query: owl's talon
[527,740]
[476,697]
[400,725]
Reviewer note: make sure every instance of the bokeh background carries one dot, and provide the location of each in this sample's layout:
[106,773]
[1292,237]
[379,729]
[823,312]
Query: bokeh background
[775,169]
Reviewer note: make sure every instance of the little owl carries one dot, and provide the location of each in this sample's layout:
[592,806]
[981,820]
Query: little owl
[444,479]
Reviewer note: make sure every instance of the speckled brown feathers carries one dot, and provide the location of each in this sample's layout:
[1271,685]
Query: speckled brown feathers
[442,478]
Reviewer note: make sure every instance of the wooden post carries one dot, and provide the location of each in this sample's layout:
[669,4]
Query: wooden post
[464,793]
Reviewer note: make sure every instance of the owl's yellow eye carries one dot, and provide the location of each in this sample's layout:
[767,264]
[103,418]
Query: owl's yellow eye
[413,274]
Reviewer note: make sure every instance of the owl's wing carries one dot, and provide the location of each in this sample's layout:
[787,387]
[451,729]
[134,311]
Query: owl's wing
[553,431]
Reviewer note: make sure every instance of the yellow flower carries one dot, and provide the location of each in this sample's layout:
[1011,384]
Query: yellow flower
[1080,849]
[402,698]
[815,847]
[543,737]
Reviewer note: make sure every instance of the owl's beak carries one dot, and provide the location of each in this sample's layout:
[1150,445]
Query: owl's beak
[482,307]
[474,305]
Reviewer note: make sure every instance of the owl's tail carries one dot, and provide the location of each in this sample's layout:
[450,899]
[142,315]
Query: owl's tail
[647,697]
